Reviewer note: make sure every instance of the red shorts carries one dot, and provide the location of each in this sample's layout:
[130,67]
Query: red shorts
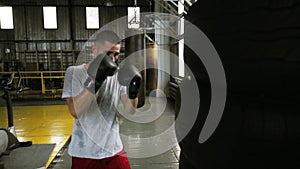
[118,161]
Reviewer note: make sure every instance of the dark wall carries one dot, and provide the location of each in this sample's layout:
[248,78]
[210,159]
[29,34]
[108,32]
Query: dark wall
[258,43]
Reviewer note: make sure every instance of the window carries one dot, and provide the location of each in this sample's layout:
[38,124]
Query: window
[181,41]
[50,18]
[92,17]
[6,17]
[133,17]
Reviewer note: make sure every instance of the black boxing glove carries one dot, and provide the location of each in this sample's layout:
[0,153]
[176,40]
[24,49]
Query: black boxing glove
[99,68]
[129,76]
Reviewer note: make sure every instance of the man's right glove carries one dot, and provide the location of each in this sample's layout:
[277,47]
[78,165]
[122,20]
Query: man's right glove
[99,68]
[129,75]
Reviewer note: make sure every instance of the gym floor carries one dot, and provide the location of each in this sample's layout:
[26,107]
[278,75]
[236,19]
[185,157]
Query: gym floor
[48,121]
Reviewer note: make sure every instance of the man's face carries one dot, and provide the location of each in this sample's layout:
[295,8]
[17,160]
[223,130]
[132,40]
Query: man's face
[112,50]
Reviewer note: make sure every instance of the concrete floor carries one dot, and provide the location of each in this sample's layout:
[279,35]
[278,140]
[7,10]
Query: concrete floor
[52,124]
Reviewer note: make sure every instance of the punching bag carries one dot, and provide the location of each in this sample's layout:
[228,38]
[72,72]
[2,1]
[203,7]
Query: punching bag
[152,67]
[135,54]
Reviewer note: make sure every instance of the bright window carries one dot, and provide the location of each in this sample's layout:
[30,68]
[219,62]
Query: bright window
[6,17]
[181,42]
[92,17]
[50,18]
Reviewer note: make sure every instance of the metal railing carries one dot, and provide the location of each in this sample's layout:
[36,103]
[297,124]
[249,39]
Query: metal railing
[42,76]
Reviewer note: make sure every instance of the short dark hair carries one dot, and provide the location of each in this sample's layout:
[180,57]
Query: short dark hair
[109,36]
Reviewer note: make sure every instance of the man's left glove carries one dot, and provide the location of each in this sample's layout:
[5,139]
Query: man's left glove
[129,75]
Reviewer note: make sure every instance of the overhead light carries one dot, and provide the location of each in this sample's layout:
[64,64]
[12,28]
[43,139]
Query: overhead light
[135,3]
[108,3]
[7,50]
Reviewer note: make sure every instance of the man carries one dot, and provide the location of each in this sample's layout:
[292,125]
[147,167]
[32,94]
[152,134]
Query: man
[93,92]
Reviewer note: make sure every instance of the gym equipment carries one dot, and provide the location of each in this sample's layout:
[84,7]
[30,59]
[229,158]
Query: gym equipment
[152,67]
[103,66]
[8,139]
[135,53]
[259,128]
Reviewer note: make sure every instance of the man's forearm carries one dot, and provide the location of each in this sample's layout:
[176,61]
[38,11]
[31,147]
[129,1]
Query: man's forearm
[130,105]
[82,102]
[134,102]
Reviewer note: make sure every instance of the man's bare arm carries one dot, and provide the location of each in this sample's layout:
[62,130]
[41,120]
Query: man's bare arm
[130,105]
[80,103]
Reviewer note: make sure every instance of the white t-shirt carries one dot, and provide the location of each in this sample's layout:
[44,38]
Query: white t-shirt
[95,133]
